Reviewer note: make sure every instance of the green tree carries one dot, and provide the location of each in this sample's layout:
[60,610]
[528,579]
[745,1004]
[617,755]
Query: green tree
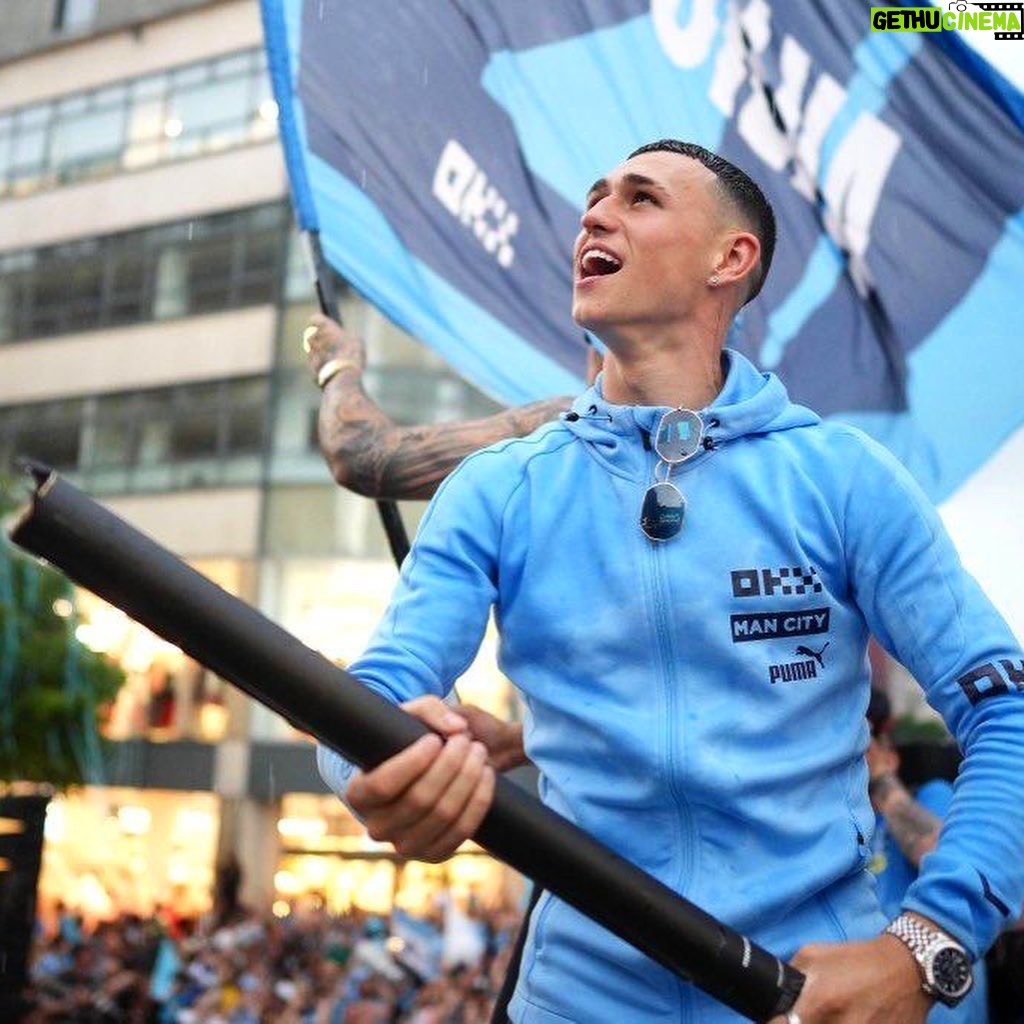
[52,690]
[51,685]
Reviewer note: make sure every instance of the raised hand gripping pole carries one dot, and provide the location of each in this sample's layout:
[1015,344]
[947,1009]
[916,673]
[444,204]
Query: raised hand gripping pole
[327,297]
[123,566]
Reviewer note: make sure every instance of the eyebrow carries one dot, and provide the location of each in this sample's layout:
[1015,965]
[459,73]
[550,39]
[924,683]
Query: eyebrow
[634,179]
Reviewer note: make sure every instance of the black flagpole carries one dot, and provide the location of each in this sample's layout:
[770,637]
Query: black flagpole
[123,566]
[390,516]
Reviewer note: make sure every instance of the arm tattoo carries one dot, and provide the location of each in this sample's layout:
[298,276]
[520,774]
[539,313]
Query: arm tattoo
[915,829]
[370,454]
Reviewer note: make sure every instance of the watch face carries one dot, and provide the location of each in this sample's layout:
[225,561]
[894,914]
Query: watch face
[951,972]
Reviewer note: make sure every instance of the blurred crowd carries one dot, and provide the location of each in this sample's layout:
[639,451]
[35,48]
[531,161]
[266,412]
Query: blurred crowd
[316,968]
[310,967]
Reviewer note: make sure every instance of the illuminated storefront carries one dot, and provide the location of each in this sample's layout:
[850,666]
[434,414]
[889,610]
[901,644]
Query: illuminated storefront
[166,695]
[109,850]
[327,859]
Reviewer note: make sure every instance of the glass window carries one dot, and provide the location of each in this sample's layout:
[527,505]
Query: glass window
[247,407]
[196,436]
[127,297]
[88,141]
[197,108]
[262,265]
[83,281]
[51,434]
[28,146]
[17,305]
[235,65]
[212,113]
[112,439]
[29,149]
[153,419]
[196,430]
[72,106]
[110,96]
[171,285]
[73,15]
[6,127]
[65,290]
[34,117]
[298,286]
[46,291]
[264,118]
[7,314]
[146,139]
[151,86]
[200,265]
[209,275]
[192,75]
[264,217]
[12,262]
[154,442]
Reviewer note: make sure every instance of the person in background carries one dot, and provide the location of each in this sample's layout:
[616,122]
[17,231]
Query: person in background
[907,827]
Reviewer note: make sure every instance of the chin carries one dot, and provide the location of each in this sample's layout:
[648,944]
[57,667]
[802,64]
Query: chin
[585,315]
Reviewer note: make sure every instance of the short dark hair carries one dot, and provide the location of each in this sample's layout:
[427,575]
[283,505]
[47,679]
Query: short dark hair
[739,188]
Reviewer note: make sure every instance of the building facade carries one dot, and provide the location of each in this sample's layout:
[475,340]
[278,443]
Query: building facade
[152,298]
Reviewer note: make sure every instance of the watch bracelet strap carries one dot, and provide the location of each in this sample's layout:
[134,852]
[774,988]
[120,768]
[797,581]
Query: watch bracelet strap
[919,939]
[918,936]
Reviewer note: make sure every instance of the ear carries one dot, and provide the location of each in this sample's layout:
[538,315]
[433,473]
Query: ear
[738,258]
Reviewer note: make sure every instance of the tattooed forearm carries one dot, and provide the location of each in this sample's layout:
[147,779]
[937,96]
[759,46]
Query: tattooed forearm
[915,829]
[369,454]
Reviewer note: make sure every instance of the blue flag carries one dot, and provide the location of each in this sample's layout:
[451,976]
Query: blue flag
[165,970]
[422,944]
[442,149]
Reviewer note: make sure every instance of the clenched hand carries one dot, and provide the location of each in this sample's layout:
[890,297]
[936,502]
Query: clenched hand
[431,797]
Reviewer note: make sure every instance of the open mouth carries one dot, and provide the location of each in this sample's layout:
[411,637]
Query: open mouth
[595,262]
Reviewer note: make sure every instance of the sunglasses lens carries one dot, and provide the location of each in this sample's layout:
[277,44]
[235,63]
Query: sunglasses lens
[679,435]
[662,515]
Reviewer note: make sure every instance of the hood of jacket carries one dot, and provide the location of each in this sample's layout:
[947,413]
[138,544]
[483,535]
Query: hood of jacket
[750,403]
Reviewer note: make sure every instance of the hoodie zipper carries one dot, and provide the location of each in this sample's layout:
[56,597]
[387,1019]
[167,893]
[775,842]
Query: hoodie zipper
[670,685]
[671,682]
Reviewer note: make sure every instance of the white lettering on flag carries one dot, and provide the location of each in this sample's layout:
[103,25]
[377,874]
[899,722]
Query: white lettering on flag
[464,191]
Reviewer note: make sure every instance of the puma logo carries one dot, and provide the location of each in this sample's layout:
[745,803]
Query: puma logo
[818,656]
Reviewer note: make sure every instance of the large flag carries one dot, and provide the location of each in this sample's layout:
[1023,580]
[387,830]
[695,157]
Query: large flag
[442,149]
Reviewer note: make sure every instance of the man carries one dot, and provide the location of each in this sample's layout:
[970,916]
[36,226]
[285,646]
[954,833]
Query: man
[694,672]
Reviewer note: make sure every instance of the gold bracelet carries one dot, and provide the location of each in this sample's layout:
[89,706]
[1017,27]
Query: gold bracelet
[332,368]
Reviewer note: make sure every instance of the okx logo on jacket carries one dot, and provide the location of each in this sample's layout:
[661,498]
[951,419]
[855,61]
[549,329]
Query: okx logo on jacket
[442,148]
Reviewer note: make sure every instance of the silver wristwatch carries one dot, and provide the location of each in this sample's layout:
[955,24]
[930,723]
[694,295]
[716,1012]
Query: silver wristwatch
[945,964]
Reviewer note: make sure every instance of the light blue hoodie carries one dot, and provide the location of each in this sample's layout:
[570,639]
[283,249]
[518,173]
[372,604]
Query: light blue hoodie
[698,704]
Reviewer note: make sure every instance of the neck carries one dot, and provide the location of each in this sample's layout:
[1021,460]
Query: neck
[673,363]
[688,377]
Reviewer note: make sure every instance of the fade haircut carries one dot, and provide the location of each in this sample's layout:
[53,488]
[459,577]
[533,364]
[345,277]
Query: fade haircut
[739,189]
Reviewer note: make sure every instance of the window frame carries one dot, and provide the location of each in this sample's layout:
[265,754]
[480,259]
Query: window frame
[247,65]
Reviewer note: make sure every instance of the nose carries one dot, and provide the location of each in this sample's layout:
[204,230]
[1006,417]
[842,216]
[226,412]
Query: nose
[600,216]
